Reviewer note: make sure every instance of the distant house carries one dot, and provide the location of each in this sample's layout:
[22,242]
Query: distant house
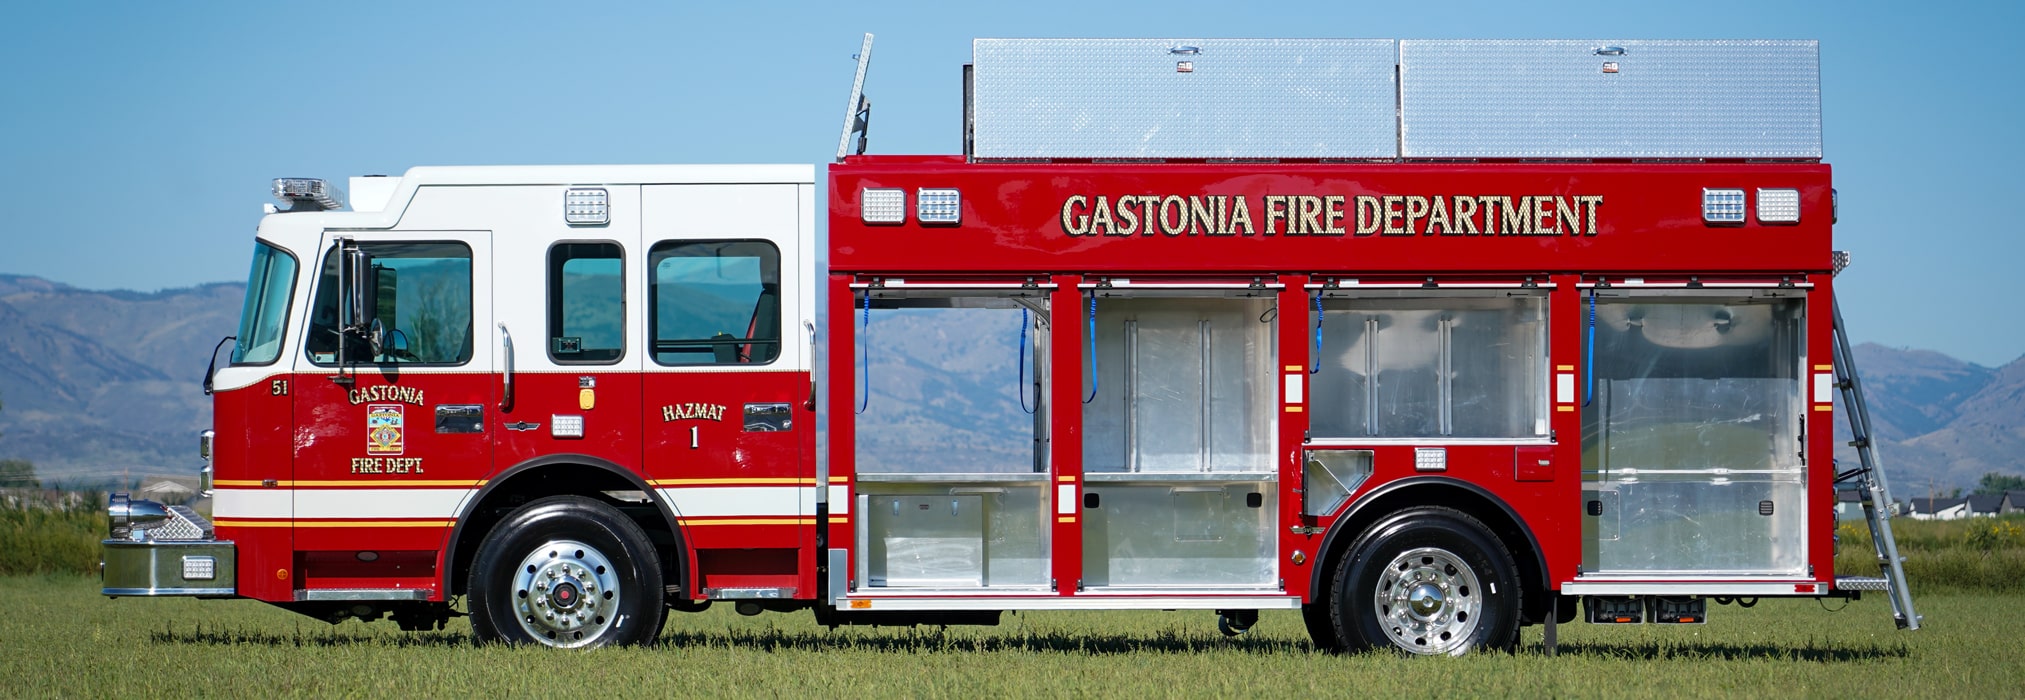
[1849,504]
[1984,505]
[166,489]
[1937,508]
[2014,502]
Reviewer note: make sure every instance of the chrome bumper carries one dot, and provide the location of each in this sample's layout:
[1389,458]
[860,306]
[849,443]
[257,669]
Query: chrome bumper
[157,550]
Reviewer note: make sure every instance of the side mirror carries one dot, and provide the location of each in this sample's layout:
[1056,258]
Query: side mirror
[357,315]
[357,309]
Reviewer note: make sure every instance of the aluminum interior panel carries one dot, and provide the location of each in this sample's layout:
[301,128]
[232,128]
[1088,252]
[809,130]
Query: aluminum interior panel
[1154,98]
[1152,534]
[1576,99]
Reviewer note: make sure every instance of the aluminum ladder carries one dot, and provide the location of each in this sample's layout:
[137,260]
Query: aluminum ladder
[1876,497]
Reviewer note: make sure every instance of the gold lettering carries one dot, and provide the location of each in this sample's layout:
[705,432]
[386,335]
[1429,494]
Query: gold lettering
[1416,209]
[1517,216]
[1332,213]
[1589,203]
[1276,211]
[1572,216]
[1101,220]
[1173,225]
[1394,215]
[1128,216]
[1543,215]
[1367,215]
[1073,223]
[1311,214]
[1438,216]
[1200,217]
[1241,216]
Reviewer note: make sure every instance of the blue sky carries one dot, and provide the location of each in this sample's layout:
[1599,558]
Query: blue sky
[139,138]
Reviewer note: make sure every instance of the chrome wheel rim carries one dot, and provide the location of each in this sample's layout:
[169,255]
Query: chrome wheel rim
[1428,601]
[566,594]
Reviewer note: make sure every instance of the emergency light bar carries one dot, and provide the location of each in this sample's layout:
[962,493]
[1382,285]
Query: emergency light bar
[308,194]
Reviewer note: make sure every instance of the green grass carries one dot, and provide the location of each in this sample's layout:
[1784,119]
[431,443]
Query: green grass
[1972,554]
[62,639]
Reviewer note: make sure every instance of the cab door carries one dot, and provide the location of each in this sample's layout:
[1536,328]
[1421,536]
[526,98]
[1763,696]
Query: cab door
[390,440]
[726,382]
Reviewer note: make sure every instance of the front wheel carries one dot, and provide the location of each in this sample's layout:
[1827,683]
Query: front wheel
[1427,581]
[566,571]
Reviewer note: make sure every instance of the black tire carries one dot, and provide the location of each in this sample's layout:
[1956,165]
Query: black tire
[566,571]
[1427,581]
[1321,628]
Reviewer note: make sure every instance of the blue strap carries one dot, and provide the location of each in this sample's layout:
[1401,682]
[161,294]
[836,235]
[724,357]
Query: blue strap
[1093,348]
[1317,369]
[1021,386]
[864,341]
[1589,354]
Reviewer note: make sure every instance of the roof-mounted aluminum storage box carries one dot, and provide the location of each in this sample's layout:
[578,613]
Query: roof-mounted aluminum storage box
[1185,99]
[1609,99]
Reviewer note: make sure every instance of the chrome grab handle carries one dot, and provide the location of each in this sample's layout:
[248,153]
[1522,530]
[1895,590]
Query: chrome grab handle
[506,377]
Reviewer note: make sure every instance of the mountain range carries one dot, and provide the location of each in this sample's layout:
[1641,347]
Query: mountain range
[99,384]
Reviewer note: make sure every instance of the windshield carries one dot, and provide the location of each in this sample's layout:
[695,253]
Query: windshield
[261,323]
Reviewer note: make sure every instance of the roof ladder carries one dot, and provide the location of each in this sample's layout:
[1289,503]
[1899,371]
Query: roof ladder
[1876,496]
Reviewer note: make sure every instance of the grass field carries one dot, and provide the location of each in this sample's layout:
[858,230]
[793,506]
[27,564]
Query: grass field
[63,639]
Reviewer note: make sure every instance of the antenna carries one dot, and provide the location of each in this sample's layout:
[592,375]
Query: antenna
[857,112]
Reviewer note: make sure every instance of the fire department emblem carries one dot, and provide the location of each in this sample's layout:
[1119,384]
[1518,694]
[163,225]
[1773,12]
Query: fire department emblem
[383,429]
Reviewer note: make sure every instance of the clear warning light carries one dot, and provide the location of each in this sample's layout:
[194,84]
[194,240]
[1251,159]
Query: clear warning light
[586,206]
[938,206]
[882,205]
[1779,206]
[566,426]
[1720,206]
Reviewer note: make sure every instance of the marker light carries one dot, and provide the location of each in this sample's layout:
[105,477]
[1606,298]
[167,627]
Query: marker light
[587,206]
[882,206]
[1430,459]
[565,426]
[1778,206]
[938,206]
[1723,206]
[308,194]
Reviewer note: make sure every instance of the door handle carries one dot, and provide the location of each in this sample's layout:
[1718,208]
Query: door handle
[506,377]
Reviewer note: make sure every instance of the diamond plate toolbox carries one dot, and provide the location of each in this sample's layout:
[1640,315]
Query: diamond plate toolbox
[1184,98]
[1610,99]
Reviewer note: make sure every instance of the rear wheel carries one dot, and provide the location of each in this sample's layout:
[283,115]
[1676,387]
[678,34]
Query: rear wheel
[1427,581]
[566,571]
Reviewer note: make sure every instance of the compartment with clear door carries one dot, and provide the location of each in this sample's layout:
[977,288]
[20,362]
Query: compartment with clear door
[1179,489]
[1692,443]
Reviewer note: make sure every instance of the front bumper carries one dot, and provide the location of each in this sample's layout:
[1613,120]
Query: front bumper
[157,550]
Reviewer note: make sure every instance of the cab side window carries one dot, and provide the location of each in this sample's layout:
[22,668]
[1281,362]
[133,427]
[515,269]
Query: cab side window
[714,302]
[586,303]
[419,292]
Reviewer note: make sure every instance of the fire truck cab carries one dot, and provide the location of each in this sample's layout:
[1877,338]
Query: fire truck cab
[1370,329]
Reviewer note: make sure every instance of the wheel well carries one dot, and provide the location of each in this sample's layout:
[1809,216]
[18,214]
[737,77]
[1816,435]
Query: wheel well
[587,477]
[1472,501]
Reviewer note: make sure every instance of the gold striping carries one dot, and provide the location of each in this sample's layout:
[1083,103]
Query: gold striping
[782,481]
[335,523]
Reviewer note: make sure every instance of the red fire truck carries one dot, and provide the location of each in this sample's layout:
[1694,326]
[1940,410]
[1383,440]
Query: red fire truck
[1429,340]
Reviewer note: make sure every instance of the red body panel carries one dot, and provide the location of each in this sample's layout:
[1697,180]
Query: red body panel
[1033,221]
[1648,219]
